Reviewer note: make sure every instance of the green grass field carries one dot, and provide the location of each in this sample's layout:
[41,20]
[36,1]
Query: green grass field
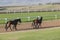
[32,15]
[41,34]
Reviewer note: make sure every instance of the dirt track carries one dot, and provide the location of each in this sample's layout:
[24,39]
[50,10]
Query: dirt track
[27,25]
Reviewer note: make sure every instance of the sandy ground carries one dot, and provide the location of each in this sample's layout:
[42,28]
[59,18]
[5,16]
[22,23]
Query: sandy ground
[28,25]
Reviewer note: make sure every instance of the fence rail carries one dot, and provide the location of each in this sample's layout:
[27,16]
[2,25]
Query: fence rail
[30,18]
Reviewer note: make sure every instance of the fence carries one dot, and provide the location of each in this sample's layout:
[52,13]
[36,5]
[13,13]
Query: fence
[29,19]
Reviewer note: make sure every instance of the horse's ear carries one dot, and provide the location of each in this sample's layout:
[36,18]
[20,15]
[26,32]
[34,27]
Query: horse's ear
[19,19]
[42,17]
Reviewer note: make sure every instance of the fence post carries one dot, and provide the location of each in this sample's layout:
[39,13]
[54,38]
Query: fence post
[5,20]
[55,16]
[28,18]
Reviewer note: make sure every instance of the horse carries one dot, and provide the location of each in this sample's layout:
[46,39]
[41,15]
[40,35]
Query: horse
[12,22]
[37,22]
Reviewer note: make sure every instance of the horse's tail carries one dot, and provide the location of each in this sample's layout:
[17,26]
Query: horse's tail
[33,23]
[6,26]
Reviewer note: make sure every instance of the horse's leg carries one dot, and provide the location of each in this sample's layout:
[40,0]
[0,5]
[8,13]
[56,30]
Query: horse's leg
[33,24]
[10,27]
[38,25]
[15,27]
[6,26]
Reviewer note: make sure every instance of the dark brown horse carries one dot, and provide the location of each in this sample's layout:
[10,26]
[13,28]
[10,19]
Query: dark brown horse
[12,22]
[37,22]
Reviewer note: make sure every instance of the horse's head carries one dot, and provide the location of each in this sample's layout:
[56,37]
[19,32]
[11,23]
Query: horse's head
[41,18]
[19,20]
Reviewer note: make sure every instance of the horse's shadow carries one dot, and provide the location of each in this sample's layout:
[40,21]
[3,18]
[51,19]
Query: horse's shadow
[38,28]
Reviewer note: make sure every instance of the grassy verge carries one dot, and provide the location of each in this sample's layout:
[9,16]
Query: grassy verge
[43,34]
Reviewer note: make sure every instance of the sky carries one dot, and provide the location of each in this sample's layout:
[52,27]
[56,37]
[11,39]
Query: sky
[25,2]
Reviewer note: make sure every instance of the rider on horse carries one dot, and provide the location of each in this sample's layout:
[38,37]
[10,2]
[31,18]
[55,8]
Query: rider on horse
[37,22]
